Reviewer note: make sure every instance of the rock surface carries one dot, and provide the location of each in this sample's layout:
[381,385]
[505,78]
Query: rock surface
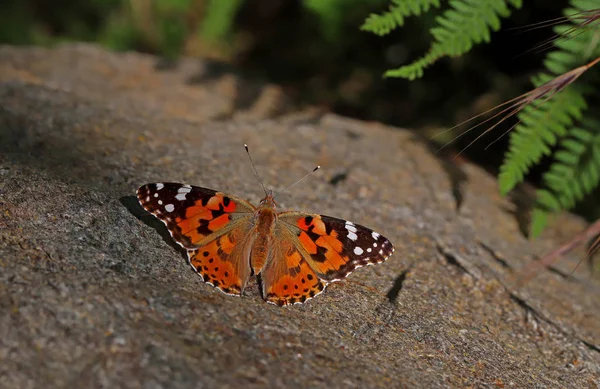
[93,293]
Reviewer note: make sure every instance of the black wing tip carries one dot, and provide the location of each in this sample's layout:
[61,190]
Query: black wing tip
[145,190]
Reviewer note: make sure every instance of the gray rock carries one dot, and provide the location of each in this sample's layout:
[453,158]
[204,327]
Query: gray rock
[94,294]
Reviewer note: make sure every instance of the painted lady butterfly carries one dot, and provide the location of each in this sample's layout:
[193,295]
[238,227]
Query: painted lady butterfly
[228,239]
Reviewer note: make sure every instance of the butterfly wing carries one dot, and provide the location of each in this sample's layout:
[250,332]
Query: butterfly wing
[225,261]
[334,248]
[193,215]
[286,277]
[213,227]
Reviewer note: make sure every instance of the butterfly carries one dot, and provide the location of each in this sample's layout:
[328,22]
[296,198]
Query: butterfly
[228,239]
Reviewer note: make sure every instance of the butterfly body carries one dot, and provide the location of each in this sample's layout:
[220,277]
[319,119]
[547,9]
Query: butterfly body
[265,218]
[227,239]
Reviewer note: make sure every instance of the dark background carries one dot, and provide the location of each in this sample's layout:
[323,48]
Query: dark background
[316,52]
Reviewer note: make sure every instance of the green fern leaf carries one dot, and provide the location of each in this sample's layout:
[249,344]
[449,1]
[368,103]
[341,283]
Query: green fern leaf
[575,171]
[382,24]
[540,127]
[414,70]
[574,174]
[466,23]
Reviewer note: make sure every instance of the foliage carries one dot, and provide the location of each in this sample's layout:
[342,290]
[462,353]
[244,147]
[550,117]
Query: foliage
[551,124]
[575,168]
[218,22]
[383,24]
[465,23]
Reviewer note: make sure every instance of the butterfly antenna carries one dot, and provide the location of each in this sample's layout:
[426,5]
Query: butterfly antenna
[300,180]
[254,168]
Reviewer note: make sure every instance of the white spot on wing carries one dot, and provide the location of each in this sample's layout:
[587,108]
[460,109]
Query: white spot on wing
[169,207]
[155,194]
[159,186]
[350,227]
[159,202]
[358,250]
[369,250]
[375,244]
[375,235]
[180,196]
[184,189]
[351,230]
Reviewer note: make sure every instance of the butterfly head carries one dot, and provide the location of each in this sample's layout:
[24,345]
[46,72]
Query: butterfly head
[268,201]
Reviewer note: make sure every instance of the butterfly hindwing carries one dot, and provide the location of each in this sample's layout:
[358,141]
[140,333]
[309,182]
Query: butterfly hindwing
[286,277]
[225,261]
[192,214]
[335,247]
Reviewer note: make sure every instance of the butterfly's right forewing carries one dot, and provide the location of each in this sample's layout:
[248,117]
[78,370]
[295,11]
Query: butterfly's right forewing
[193,215]
[214,228]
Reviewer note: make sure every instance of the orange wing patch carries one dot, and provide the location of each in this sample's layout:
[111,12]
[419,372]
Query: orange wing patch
[205,217]
[289,280]
[220,265]
[333,247]
[326,250]
[190,213]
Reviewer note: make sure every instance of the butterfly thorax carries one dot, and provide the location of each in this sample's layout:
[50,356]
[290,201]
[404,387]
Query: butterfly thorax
[265,218]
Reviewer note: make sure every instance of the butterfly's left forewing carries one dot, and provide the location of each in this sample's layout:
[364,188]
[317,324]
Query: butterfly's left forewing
[333,247]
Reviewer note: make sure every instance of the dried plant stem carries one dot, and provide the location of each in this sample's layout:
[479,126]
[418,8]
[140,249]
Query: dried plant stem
[512,107]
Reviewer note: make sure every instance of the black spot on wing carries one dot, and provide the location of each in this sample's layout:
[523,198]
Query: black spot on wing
[320,255]
[294,270]
[321,251]
[215,213]
[203,229]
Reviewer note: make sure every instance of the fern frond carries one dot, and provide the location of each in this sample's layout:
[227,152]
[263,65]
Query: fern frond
[574,174]
[382,24]
[546,121]
[468,22]
[541,124]
[416,69]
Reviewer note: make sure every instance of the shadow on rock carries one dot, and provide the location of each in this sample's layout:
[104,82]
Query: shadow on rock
[524,200]
[133,206]
[393,293]
[450,166]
